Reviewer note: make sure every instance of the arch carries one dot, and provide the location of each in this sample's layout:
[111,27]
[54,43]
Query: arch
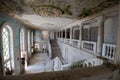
[90,64]
[29,44]
[81,65]
[32,44]
[93,63]
[75,32]
[23,53]
[68,33]
[8,62]
[22,39]
[85,65]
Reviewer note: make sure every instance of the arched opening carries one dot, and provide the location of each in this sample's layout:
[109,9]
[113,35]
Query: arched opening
[63,33]
[75,32]
[32,44]
[7,50]
[90,64]
[22,50]
[68,33]
[29,44]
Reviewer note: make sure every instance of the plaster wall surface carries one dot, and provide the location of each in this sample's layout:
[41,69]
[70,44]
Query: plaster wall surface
[73,54]
[15,26]
[110,29]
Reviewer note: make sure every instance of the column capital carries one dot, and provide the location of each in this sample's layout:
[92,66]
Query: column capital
[101,19]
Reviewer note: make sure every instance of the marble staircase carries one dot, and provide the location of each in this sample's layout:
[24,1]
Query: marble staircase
[56,51]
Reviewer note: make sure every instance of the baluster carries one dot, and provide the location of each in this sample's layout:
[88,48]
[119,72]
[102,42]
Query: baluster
[108,51]
[112,52]
[83,44]
[105,50]
[92,47]
[89,46]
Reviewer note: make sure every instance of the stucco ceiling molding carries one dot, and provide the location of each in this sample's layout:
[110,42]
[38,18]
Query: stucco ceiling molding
[47,11]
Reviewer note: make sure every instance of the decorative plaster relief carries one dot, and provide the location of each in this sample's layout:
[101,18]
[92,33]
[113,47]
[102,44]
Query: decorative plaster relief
[47,11]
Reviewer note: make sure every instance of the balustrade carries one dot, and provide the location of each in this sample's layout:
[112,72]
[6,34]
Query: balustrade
[108,51]
[67,41]
[90,46]
[75,43]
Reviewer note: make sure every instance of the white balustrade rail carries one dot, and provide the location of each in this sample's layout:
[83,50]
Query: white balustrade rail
[67,41]
[57,64]
[75,42]
[60,39]
[108,51]
[89,46]
[92,62]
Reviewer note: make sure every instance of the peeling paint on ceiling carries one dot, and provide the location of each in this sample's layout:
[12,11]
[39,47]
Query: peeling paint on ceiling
[62,11]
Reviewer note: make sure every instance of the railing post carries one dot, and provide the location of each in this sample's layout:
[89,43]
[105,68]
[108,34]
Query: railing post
[71,35]
[65,33]
[100,35]
[80,36]
[61,33]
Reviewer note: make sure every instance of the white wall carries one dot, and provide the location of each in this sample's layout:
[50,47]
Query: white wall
[110,29]
[73,54]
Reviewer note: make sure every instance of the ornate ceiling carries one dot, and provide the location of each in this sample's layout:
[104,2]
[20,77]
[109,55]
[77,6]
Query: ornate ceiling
[47,11]
[53,11]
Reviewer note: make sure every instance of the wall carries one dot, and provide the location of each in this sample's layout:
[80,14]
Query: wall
[38,36]
[45,35]
[16,26]
[73,54]
[37,39]
[110,29]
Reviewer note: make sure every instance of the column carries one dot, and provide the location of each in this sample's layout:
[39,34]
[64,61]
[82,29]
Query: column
[62,34]
[71,35]
[56,34]
[100,35]
[65,33]
[117,54]
[80,36]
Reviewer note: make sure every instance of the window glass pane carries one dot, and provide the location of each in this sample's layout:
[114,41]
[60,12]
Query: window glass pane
[68,33]
[5,41]
[85,34]
[93,34]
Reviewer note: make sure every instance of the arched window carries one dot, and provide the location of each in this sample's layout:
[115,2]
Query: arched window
[32,42]
[29,44]
[7,49]
[68,33]
[23,52]
[75,32]
[22,40]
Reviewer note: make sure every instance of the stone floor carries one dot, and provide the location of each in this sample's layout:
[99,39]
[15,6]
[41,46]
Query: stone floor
[39,63]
